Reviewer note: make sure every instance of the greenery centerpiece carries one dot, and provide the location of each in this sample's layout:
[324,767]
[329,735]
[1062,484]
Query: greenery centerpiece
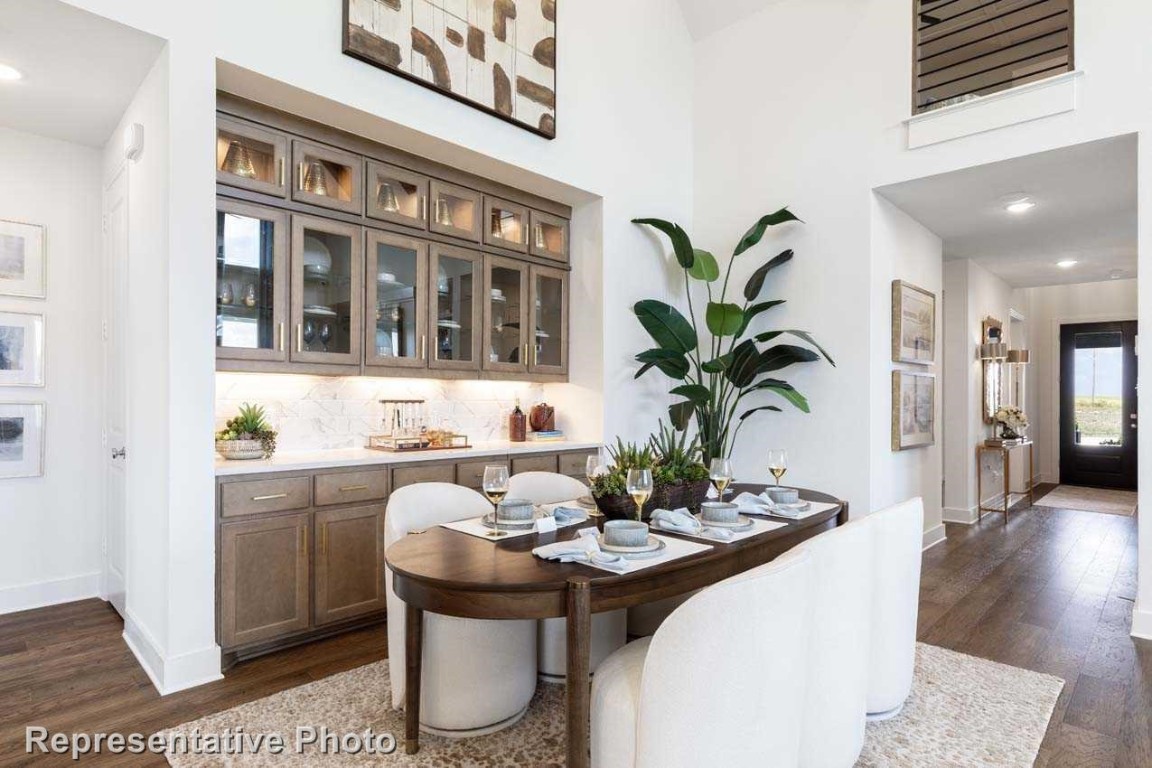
[718,370]
[247,435]
[678,477]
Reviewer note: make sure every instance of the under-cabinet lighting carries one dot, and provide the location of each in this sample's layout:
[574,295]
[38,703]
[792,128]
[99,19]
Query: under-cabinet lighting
[1067,263]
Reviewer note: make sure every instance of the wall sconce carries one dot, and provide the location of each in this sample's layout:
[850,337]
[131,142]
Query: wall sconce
[993,352]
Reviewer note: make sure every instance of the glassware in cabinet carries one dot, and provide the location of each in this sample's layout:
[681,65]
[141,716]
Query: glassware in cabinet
[327,291]
[397,291]
[251,282]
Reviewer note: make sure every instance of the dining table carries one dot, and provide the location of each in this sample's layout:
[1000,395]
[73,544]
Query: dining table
[453,573]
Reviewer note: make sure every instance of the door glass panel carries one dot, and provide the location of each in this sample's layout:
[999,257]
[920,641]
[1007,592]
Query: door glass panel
[393,196]
[246,157]
[454,289]
[549,314]
[506,301]
[1099,380]
[320,176]
[327,292]
[245,295]
[508,225]
[549,238]
[396,310]
[453,212]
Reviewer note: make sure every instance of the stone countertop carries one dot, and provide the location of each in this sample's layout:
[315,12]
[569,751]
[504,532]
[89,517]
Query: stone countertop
[291,461]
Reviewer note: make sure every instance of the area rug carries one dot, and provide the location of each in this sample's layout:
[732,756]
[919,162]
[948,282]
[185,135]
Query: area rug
[963,711]
[1106,500]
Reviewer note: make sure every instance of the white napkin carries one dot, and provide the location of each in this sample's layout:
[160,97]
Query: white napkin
[565,515]
[582,549]
[761,504]
[682,521]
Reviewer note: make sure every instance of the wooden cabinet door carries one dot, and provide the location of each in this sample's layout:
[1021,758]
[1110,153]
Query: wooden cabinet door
[397,195]
[251,282]
[328,177]
[548,236]
[455,281]
[264,590]
[455,211]
[327,291]
[507,338]
[505,224]
[349,562]
[251,157]
[548,326]
[396,319]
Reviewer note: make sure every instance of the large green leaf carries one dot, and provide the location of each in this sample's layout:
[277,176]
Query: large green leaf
[681,414]
[681,243]
[671,363]
[782,356]
[724,319]
[769,335]
[784,389]
[745,360]
[756,281]
[718,365]
[666,325]
[746,414]
[697,393]
[753,235]
[757,309]
[704,267]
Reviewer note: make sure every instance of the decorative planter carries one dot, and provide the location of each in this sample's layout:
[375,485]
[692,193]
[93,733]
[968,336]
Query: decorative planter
[682,494]
[621,507]
[240,449]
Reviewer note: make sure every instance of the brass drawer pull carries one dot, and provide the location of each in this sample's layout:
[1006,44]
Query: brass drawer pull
[281,171]
[270,497]
[349,488]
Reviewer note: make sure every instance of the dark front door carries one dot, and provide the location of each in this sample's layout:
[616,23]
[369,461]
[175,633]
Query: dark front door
[1098,404]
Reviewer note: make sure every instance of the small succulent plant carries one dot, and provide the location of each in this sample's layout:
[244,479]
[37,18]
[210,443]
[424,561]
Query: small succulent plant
[251,423]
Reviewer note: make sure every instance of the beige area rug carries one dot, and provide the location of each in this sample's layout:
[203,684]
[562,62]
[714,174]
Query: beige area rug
[1106,500]
[963,711]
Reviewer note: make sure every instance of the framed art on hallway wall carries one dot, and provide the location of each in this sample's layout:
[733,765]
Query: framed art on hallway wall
[913,410]
[21,440]
[913,324]
[21,349]
[22,259]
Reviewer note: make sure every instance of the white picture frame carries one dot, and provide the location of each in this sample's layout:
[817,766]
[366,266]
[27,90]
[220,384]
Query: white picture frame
[913,410]
[21,349]
[22,437]
[23,260]
[913,324]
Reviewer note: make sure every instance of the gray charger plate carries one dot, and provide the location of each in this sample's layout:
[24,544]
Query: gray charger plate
[742,523]
[632,553]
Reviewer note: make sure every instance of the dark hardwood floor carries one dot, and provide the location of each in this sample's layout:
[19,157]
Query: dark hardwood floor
[1051,591]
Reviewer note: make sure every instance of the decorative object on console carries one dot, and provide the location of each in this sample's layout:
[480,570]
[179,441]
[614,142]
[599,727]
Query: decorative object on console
[496,55]
[913,410]
[679,479]
[913,324]
[247,435]
[1012,420]
[714,381]
[542,418]
[21,440]
[517,425]
[406,425]
[23,268]
[21,349]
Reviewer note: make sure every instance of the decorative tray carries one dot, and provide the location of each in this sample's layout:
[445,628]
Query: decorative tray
[422,442]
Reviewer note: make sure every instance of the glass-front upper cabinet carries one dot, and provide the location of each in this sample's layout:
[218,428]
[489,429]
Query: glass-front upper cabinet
[251,157]
[327,291]
[326,176]
[396,325]
[397,195]
[456,278]
[454,211]
[505,224]
[549,236]
[506,335]
[251,283]
[549,311]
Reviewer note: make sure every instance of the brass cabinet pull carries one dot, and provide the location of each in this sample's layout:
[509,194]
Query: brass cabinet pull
[423,347]
[535,355]
[525,354]
[299,337]
[280,171]
[303,540]
[324,539]
[300,177]
[281,337]
[349,488]
[270,497]
[424,207]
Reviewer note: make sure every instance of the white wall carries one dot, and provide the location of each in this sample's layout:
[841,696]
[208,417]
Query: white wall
[52,526]
[1049,308]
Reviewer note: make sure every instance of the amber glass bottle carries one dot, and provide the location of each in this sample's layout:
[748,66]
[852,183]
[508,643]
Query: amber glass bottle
[517,425]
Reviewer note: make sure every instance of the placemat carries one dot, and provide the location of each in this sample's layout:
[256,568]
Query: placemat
[473,527]
[675,549]
[759,526]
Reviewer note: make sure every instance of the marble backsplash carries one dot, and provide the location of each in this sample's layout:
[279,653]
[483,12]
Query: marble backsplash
[321,412]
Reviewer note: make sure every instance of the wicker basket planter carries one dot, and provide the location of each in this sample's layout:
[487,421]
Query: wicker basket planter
[240,449]
[682,494]
[621,507]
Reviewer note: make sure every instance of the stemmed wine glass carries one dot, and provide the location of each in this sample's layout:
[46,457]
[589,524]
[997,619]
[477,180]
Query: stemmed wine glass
[777,463]
[720,473]
[309,333]
[592,470]
[325,335]
[639,487]
[496,488]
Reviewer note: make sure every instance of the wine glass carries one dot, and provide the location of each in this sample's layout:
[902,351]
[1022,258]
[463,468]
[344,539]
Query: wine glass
[309,333]
[720,473]
[496,488]
[325,335]
[777,463]
[592,470]
[639,486]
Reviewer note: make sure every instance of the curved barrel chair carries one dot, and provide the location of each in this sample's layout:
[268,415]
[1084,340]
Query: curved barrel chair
[722,682]
[897,544]
[478,676]
[609,629]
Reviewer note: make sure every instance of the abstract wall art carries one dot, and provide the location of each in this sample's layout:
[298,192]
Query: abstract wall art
[22,255]
[21,440]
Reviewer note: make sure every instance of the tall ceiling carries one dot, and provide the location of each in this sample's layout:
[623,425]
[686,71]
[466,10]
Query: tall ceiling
[707,16]
[1085,211]
[80,70]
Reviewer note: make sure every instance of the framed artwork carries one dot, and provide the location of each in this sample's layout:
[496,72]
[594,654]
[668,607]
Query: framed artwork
[913,324]
[21,440]
[496,55]
[23,269]
[21,349]
[913,410]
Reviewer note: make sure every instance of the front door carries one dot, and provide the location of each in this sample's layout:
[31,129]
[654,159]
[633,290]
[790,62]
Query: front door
[1098,404]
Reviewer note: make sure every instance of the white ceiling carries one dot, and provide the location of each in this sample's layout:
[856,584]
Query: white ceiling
[1085,210]
[707,16]
[80,70]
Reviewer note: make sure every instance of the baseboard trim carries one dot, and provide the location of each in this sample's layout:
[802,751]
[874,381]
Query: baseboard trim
[170,674]
[26,597]
[962,516]
[1141,623]
[933,536]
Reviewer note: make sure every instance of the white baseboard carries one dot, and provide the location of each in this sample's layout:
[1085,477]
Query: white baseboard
[933,536]
[44,593]
[958,515]
[171,674]
[1141,623]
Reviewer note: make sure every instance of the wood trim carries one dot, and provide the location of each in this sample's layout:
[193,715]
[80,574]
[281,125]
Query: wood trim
[421,296]
[372,170]
[279,143]
[302,149]
[535,368]
[353,357]
[491,263]
[477,260]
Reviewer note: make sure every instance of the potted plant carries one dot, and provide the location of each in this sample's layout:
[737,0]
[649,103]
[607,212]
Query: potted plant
[680,479]
[610,489]
[247,435]
[1012,420]
[718,370]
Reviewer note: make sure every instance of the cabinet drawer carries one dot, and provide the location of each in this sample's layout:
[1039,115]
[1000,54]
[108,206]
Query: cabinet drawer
[470,474]
[437,473]
[254,497]
[347,487]
[575,464]
[546,463]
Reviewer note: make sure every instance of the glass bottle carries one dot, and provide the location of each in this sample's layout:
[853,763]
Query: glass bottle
[517,425]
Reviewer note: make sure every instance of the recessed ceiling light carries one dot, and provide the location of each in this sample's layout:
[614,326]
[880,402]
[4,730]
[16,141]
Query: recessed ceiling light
[1067,263]
[10,74]
[1116,274]
[1019,204]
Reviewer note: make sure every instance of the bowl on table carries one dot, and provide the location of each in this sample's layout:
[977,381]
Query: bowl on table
[625,533]
[783,495]
[515,511]
[719,512]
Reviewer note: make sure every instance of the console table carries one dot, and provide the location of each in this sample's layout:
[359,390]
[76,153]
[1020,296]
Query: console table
[1005,452]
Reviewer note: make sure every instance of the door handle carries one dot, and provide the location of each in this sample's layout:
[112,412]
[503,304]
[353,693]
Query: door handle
[120,453]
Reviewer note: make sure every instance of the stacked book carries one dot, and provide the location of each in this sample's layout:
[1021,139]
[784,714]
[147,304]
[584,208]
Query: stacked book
[550,436]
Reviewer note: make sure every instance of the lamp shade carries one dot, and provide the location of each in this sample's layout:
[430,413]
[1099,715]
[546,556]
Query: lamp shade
[1018,356]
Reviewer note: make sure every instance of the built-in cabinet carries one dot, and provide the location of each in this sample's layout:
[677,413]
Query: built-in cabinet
[332,261]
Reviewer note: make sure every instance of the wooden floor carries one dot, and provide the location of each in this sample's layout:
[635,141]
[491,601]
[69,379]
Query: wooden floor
[1052,591]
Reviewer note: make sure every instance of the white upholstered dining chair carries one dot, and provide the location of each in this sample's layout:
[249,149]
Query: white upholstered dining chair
[720,683]
[898,534]
[478,676]
[609,629]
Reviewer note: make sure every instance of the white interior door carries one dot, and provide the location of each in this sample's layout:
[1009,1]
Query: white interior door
[115,390]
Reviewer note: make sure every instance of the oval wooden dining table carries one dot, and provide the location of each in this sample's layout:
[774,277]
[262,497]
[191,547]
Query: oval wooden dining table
[453,573]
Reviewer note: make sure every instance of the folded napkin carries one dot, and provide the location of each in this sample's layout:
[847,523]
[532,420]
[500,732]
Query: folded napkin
[761,504]
[682,521]
[565,515]
[582,549]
